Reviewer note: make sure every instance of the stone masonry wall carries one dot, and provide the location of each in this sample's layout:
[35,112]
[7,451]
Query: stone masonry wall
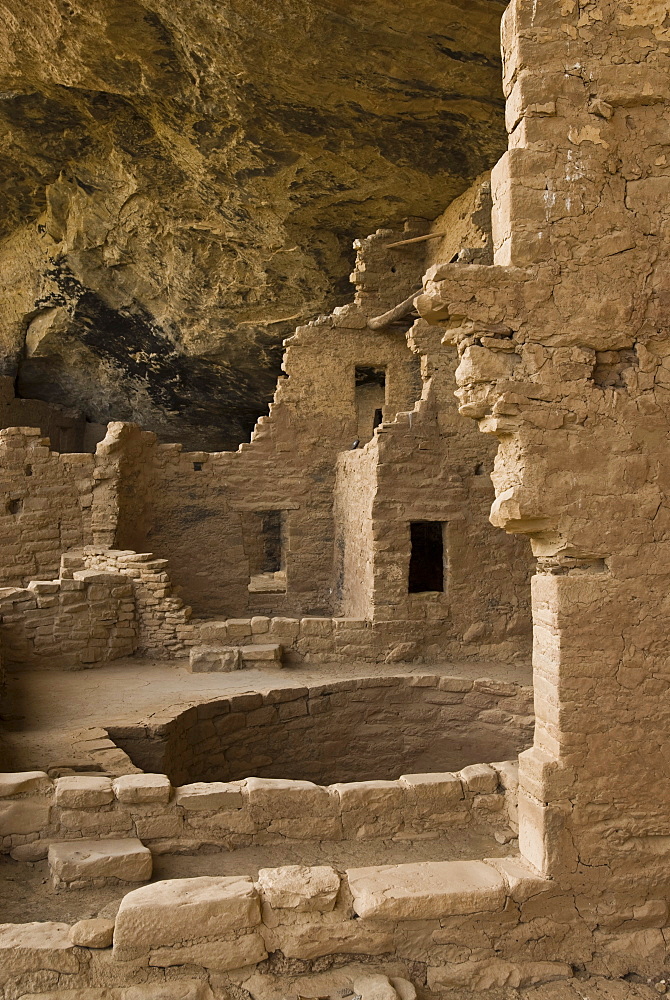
[341,731]
[47,500]
[163,621]
[68,623]
[199,506]
[34,811]
[565,346]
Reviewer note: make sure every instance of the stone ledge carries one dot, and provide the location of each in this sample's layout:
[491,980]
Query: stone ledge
[36,947]
[186,917]
[426,890]
[93,862]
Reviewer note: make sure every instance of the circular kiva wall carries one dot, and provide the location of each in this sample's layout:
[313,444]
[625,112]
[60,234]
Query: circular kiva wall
[345,731]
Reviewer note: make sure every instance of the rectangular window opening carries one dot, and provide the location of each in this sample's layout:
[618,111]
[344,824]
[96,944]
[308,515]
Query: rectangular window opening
[426,563]
[370,399]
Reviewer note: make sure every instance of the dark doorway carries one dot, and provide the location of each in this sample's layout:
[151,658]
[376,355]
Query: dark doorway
[426,563]
[272,542]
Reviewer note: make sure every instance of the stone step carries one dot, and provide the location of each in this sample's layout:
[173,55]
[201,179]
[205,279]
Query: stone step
[79,864]
[222,659]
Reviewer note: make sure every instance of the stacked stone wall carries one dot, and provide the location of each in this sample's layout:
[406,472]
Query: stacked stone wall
[47,500]
[35,811]
[68,623]
[163,620]
[343,731]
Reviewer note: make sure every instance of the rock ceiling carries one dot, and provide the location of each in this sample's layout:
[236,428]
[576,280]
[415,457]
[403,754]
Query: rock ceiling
[181,183]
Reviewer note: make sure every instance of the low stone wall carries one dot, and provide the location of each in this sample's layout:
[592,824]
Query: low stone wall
[35,811]
[329,640]
[442,924]
[68,623]
[163,620]
[363,728]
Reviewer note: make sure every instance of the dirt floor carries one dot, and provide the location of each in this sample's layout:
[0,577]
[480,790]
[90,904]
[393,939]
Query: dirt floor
[54,720]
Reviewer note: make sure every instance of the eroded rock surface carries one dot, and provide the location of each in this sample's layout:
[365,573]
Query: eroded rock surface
[182,184]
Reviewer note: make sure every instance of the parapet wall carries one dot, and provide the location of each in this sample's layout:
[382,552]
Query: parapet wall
[35,811]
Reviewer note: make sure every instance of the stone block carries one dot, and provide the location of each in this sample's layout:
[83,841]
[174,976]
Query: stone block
[300,810]
[36,947]
[95,933]
[322,627]
[287,629]
[23,816]
[23,783]
[215,633]
[212,795]
[238,628]
[434,792]
[142,788]
[426,891]
[522,880]
[478,779]
[260,624]
[82,791]
[208,920]
[36,850]
[213,659]
[313,939]
[262,655]
[84,862]
[300,888]
[373,796]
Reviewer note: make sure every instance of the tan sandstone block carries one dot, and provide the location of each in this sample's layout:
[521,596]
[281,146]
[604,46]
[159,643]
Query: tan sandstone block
[36,947]
[213,659]
[478,779]
[81,791]
[94,933]
[265,655]
[81,861]
[300,888]
[374,796]
[23,816]
[178,912]
[238,951]
[142,788]
[426,891]
[374,987]
[23,782]
[297,809]
[434,790]
[213,795]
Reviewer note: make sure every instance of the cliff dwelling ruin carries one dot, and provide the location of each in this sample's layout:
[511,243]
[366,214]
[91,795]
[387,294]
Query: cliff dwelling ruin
[334,541]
